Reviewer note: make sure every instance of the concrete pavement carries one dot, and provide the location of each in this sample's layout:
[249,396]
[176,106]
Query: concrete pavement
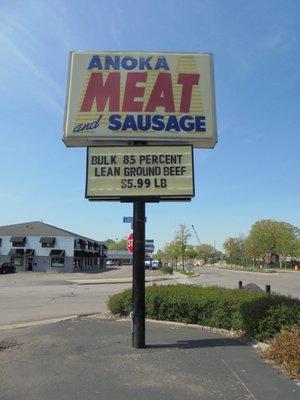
[93,359]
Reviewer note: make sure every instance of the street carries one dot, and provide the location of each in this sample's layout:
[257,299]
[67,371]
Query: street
[26,297]
[286,283]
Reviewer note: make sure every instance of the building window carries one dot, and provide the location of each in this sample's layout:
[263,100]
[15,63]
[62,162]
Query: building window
[47,242]
[17,261]
[49,245]
[18,244]
[57,262]
[18,241]
[82,243]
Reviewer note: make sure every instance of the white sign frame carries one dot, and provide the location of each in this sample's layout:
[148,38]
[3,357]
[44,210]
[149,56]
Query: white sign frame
[102,136]
[129,197]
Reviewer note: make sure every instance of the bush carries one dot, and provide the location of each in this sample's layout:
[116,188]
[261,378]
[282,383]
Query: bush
[259,315]
[121,303]
[167,270]
[185,272]
[284,352]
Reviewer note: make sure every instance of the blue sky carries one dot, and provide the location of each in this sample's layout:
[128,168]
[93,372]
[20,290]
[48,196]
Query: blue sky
[252,173]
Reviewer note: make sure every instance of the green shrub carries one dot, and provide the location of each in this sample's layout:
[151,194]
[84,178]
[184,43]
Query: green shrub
[167,270]
[259,315]
[121,303]
[185,272]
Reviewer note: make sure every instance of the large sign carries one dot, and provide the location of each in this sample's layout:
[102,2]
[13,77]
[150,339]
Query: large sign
[158,172]
[116,98]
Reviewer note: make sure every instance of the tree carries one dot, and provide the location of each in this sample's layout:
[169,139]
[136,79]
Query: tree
[205,251]
[234,248]
[270,236]
[109,242]
[190,252]
[181,239]
[159,255]
[116,244]
[297,252]
[172,252]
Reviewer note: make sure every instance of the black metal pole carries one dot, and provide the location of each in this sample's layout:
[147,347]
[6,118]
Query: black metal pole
[268,289]
[138,281]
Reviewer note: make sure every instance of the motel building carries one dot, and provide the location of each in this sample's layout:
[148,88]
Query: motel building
[36,246]
[119,257]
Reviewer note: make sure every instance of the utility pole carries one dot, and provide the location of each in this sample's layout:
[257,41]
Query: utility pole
[138,287]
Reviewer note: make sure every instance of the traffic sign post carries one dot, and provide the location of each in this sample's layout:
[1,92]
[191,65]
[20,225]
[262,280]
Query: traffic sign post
[141,150]
[138,287]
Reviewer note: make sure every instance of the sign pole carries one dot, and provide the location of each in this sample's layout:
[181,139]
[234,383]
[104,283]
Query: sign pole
[138,286]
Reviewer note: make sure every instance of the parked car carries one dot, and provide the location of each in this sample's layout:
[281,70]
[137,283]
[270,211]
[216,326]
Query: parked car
[155,264]
[7,268]
[148,263]
[109,263]
[189,266]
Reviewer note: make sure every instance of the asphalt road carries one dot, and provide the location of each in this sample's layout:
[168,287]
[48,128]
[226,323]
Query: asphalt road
[93,359]
[286,283]
[38,296]
[34,298]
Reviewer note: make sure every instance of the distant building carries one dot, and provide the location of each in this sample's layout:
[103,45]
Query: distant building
[36,246]
[123,257]
[119,257]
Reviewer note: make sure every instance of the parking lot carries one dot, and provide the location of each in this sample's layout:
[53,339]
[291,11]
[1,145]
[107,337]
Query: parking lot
[31,296]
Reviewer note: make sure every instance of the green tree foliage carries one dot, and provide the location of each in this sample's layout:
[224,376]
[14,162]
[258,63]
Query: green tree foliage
[298,248]
[178,248]
[205,251]
[234,248]
[169,254]
[270,236]
[172,252]
[191,252]
[116,244]
[181,239]
[159,255]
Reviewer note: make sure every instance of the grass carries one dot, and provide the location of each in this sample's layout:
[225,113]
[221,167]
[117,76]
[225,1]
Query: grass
[184,272]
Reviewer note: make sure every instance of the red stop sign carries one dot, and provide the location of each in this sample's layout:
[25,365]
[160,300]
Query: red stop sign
[130,243]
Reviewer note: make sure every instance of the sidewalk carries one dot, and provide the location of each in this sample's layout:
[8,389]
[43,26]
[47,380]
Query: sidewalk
[92,359]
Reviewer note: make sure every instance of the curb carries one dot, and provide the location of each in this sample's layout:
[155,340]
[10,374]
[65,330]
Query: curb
[48,321]
[260,346]
[250,272]
[36,323]
[225,332]
[129,280]
[115,281]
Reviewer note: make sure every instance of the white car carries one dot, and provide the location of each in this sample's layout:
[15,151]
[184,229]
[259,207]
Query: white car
[155,264]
